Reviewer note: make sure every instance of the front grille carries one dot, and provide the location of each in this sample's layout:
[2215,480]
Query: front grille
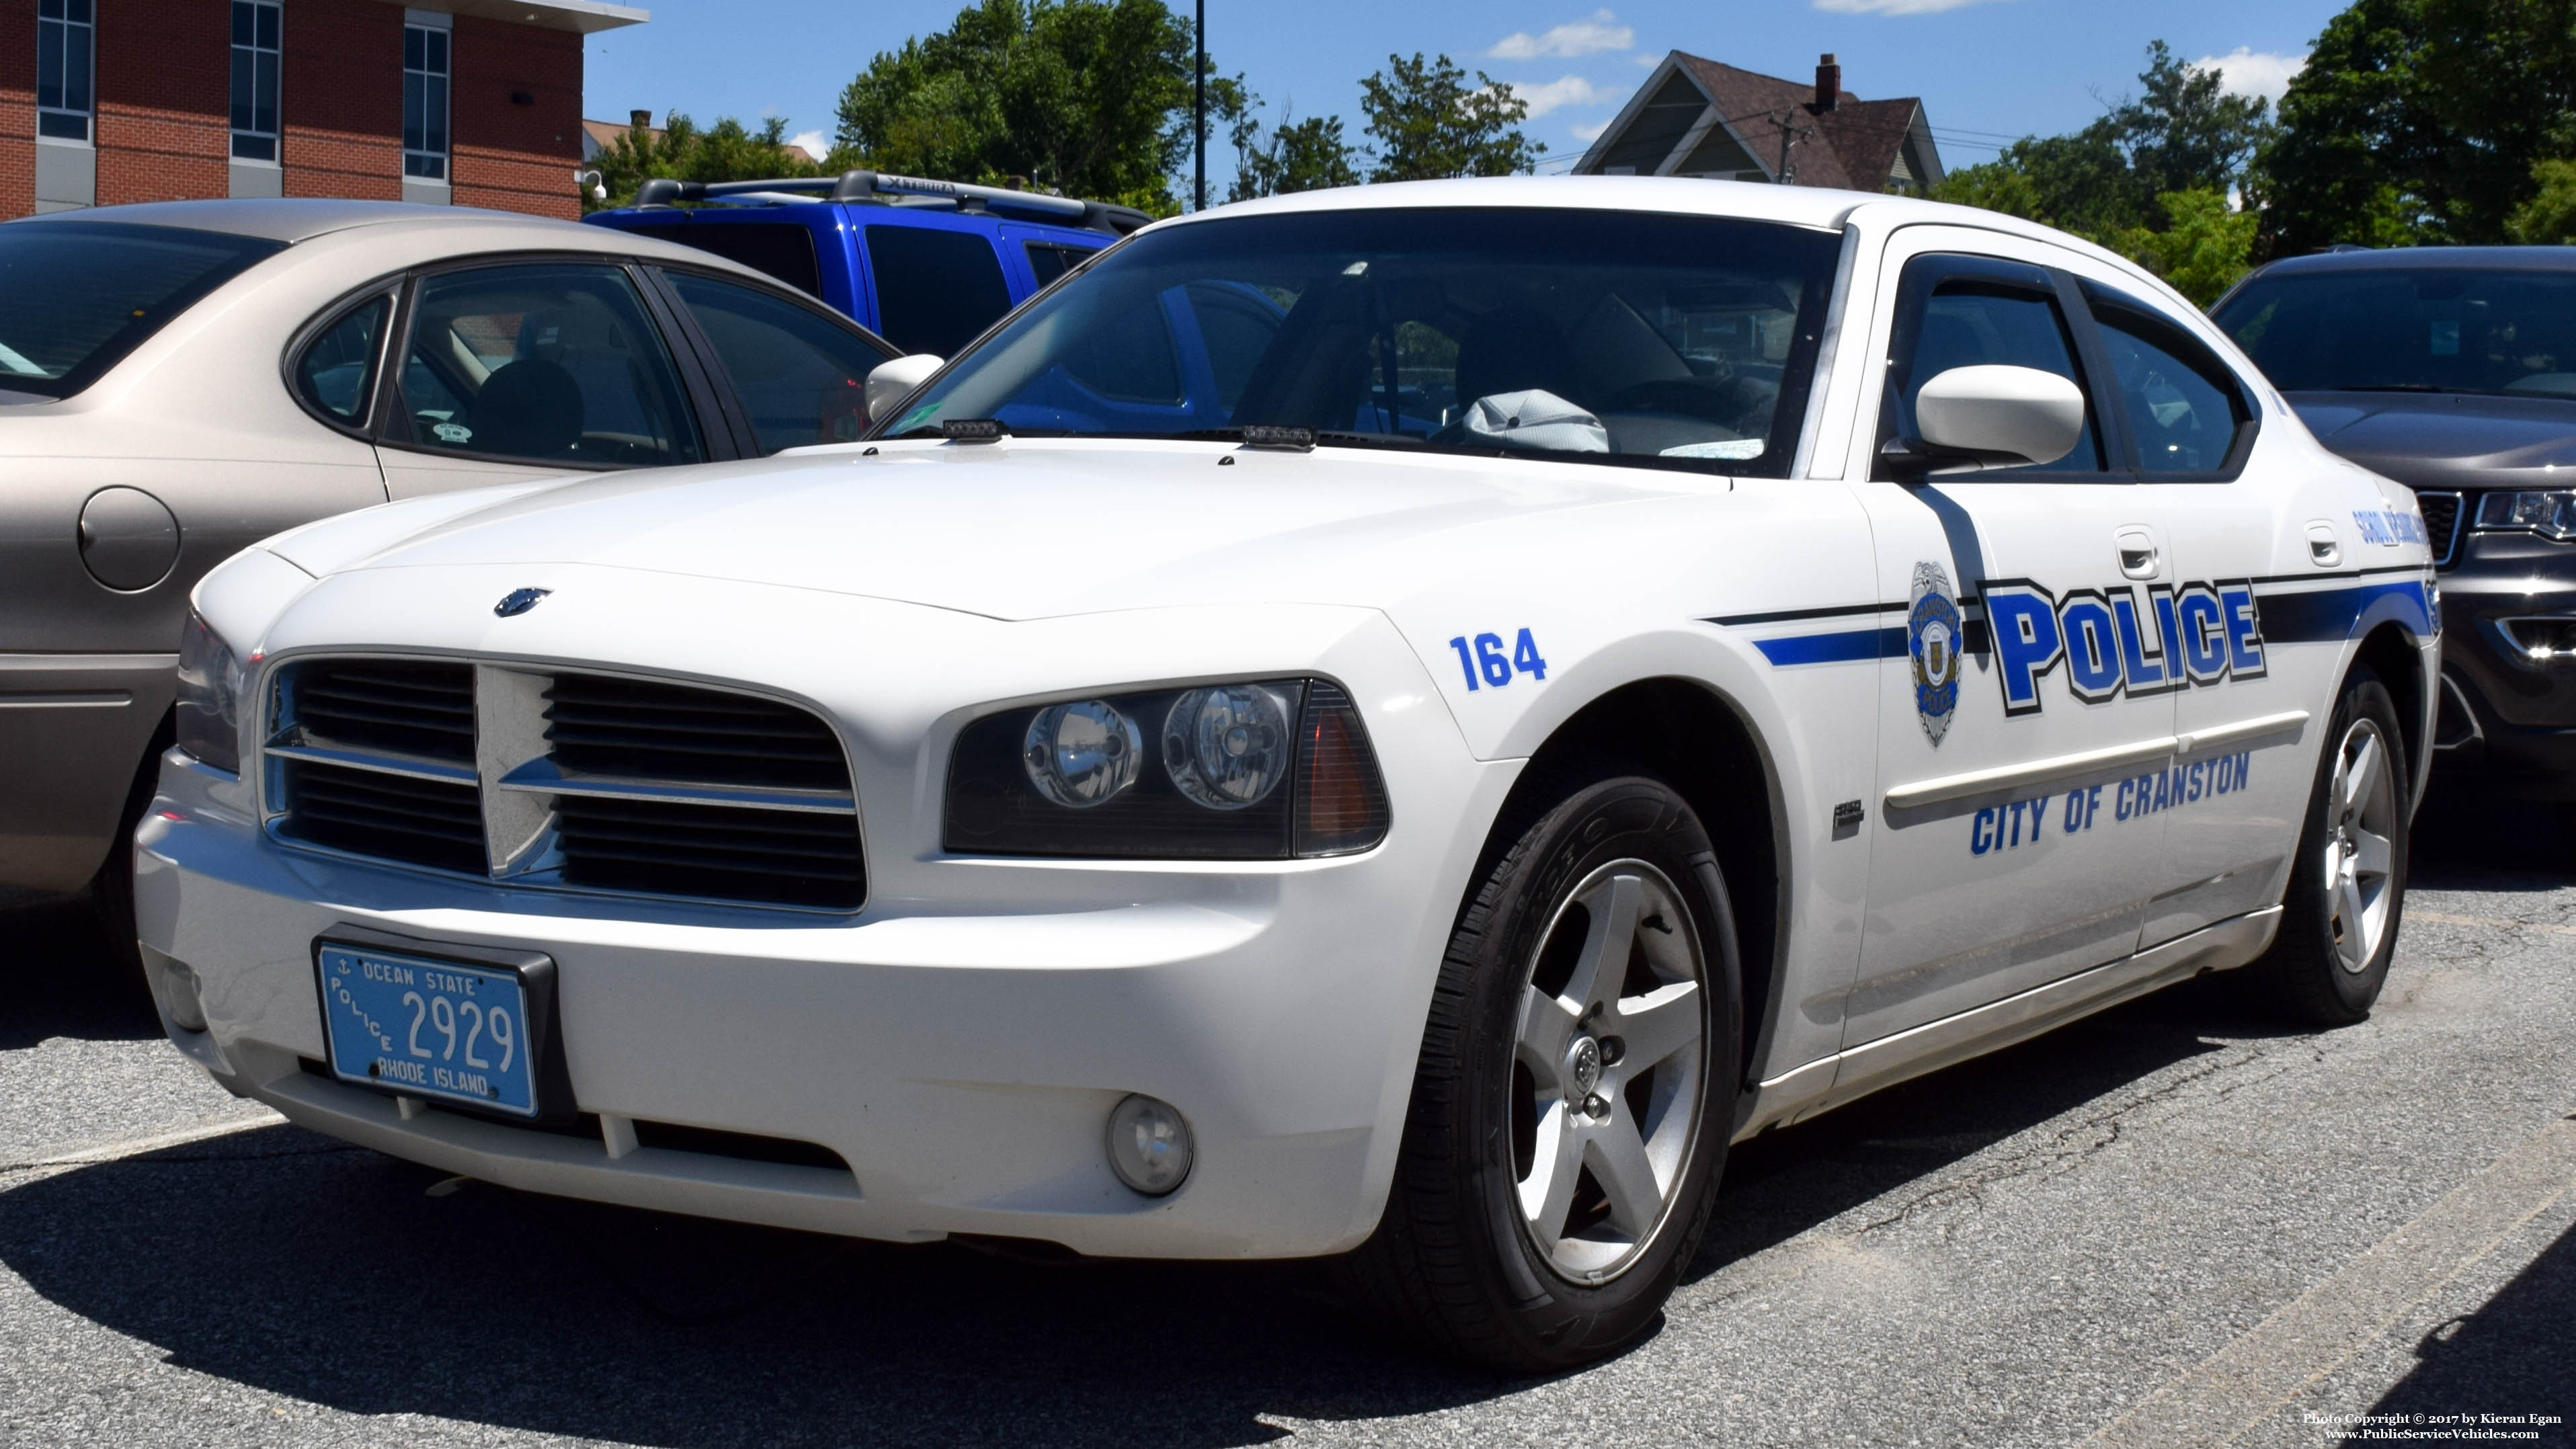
[579,780]
[409,707]
[787,857]
[2441,525]
[670,732]
[436,823]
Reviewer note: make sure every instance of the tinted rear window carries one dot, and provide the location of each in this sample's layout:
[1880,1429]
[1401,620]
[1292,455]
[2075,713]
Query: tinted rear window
[936,290]
[779,249]
[1050,260]
[77,296]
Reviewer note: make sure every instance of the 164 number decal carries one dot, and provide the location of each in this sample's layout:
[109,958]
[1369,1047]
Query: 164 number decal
[1484,662]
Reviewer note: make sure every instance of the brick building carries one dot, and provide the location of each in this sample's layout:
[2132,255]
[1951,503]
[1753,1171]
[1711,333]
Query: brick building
[466,102]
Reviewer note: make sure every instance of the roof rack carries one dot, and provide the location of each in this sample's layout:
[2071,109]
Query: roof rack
[885,185]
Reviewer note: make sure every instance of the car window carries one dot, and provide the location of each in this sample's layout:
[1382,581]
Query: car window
[2184,419]
[1050,260]
[1130,359]
[935,289]
[553,363]
[802,377]
[778,248]
[1648,340]
[2437,327]
[1236,329]
[336,371]
[1971,322]
[75,296]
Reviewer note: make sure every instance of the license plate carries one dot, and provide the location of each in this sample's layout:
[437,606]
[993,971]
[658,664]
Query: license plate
[439,1030]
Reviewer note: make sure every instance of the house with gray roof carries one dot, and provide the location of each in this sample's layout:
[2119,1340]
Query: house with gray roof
[1698,117]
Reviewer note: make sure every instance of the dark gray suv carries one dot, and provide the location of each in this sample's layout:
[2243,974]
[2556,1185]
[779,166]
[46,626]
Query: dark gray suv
[2453,371]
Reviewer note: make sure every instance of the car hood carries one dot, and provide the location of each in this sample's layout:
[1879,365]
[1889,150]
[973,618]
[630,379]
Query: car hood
[2447,440]
[1018,529]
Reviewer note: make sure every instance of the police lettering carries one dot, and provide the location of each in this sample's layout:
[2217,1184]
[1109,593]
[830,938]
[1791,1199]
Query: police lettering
[2108,645]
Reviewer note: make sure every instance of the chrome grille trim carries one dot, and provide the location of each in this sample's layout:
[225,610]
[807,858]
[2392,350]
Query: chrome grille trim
[2445,540]
[521,792]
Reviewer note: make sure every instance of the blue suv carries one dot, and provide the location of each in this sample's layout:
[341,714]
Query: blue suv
[927,265]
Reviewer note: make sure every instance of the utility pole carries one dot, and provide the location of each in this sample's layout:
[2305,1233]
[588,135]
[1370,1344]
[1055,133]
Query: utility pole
[1790,135]
[1198,108]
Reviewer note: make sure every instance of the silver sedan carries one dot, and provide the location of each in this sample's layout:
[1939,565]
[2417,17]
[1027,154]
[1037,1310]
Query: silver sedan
[180,379]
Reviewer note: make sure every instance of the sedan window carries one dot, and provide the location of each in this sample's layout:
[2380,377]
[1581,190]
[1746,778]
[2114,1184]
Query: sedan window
[1658,341]
[550,363]
[336,371]
[800,375]
[1971,323]
[2183,419]
[75,296]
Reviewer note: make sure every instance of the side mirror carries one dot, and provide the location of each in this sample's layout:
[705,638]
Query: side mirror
[900,378]
[1993,417]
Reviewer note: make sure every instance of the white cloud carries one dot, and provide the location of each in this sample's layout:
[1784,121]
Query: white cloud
[1582,37]
[1572,90]
[1592,132]
[1649,62]
[812,141]
[1891,7]
[2246,71]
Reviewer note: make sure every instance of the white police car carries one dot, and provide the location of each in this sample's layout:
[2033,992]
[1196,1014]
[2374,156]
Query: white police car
[1583,671]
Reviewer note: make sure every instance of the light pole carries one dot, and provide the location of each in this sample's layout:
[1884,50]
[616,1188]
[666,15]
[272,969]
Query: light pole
[1198,108]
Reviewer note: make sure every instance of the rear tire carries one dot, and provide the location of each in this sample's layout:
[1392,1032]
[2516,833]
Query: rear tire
[2347,890]
[1575,1092]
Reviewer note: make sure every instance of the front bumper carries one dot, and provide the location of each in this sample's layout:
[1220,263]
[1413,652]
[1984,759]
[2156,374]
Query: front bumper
[959,1043]
[2507,719]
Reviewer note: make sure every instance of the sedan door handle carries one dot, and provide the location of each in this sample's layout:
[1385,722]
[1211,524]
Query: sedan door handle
[2139,558]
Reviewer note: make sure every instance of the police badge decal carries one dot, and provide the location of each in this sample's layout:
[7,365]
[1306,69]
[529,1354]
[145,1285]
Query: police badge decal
[1932,638]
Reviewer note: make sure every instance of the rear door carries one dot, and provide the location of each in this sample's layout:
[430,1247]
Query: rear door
[2020,682]
[2275,576]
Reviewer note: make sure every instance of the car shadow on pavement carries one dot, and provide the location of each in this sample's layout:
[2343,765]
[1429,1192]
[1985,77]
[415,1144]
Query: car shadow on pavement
[2468,840]
[55,979]
[2511,1356]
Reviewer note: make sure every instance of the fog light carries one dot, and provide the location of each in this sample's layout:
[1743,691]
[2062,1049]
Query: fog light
[1149,1145]
[178,991]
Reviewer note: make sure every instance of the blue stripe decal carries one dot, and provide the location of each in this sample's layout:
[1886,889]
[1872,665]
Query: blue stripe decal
[1843,647]
[2333,615]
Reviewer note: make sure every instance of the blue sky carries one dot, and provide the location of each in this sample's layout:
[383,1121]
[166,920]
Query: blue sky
[1987,70]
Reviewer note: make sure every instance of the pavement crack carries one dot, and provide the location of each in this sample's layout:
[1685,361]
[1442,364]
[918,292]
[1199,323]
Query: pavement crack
[2066,1149]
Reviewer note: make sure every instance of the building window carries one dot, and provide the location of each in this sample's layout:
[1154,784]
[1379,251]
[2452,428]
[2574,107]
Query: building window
[425,39]
[256,26]
[65,38]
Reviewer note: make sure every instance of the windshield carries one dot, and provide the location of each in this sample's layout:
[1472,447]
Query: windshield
[1586,335]
[76,296]
[2434,330]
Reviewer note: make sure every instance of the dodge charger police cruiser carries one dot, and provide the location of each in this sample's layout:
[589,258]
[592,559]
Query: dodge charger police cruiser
[1621,665]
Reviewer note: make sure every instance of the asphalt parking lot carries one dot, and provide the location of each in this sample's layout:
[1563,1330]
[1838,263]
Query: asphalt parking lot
[2170,1225]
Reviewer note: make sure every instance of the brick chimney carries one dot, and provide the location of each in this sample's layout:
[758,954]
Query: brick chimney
[1829,82]
[640,120]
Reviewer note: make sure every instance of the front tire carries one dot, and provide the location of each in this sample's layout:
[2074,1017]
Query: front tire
[1575,1092]
[2348,886]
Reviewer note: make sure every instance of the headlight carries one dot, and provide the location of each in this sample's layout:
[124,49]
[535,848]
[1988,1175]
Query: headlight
[1262,770]
[2551,514]
[210,688]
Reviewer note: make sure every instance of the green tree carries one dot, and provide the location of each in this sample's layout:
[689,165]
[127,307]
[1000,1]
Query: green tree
[726,151]
[2422,121]
[1428,124]
[2204,246]
[1307,155]
[2549,217]
[2184,132]
[1086,97]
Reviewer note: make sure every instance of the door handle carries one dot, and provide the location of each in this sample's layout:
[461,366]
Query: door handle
[2139,556]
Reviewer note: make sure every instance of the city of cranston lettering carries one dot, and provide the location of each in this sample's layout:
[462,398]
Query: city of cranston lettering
[2018,823]
[2108,646]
